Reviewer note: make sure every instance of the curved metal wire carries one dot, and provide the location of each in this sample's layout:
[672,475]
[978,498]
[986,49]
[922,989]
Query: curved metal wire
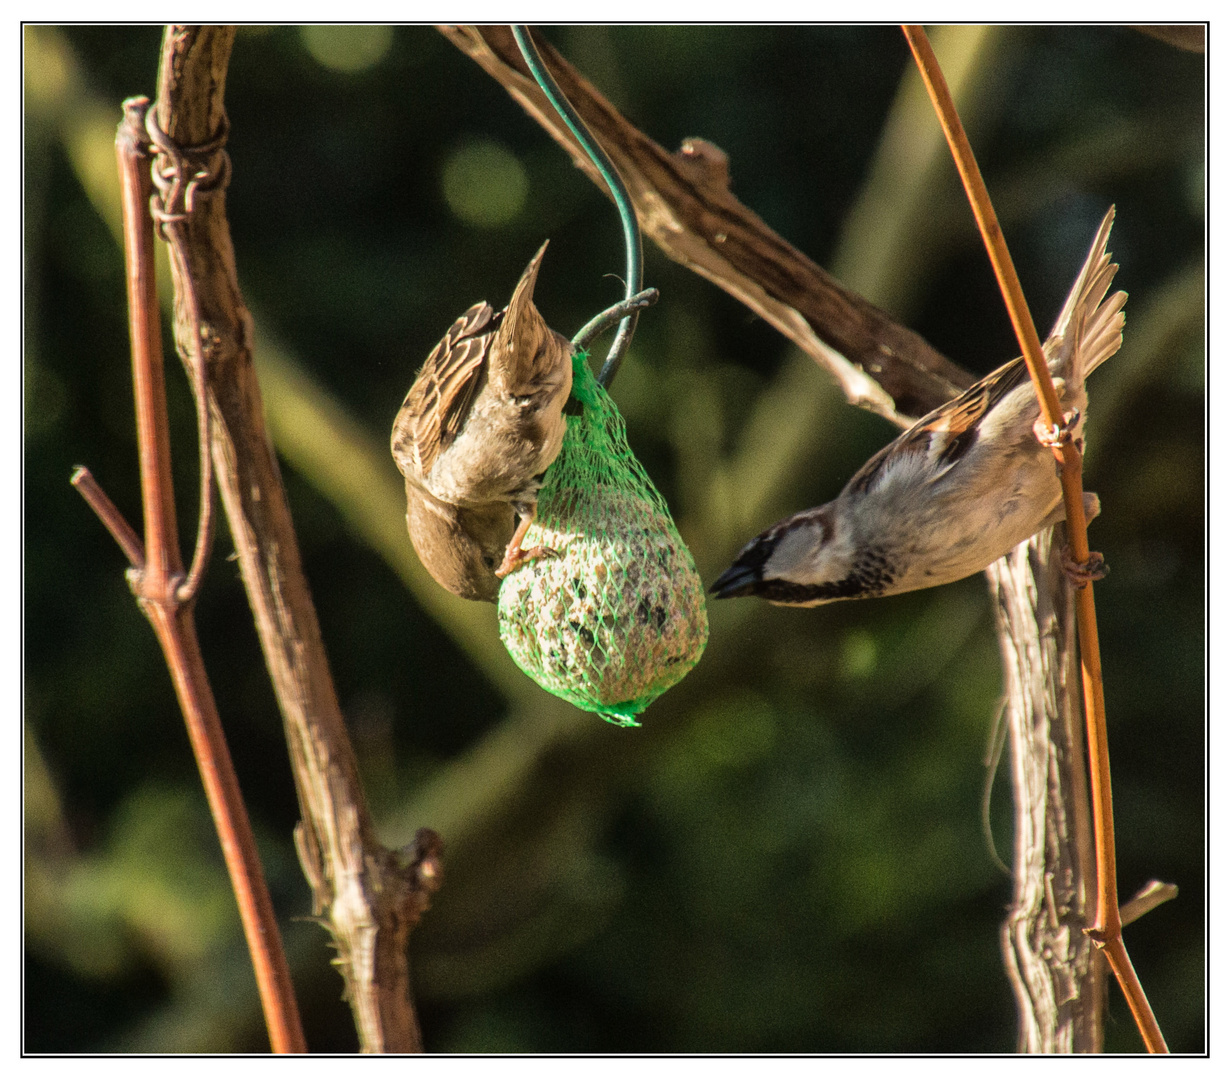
[623,203]
[604,320]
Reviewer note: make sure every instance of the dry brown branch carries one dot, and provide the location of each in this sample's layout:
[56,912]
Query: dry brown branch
[1188,37]
[1152,894]
[157,580]
[1057,977]
[1106,928]
[109,514]
[684,205]
[368,896]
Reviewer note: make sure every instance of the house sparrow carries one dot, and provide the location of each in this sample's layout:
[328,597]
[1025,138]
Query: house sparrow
[460,546]
[479,427]
[955,492]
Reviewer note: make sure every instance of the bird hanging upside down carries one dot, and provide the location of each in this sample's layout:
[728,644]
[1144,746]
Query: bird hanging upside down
[955,492]
[475,434]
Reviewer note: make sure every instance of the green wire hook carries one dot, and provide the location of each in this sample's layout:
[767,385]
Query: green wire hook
[627,216]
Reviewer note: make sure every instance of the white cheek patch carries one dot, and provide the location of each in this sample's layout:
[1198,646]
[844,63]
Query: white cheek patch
[803,557]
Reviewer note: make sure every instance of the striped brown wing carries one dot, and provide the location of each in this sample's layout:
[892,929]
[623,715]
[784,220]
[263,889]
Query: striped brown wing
[438,403]
[946,433]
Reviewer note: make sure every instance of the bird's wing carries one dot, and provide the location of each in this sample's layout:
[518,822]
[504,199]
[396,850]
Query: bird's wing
[438,403]
[945,435]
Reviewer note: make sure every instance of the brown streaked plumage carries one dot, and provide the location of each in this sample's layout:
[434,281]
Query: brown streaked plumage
[460,546]
[479,427]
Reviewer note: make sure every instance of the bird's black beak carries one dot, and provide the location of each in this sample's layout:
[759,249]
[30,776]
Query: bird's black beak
[738,580]
[745,576]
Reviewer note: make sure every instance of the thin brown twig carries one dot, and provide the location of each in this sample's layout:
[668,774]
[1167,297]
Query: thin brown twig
[1150,895]
[100,502]
[156,577]
[1107,927]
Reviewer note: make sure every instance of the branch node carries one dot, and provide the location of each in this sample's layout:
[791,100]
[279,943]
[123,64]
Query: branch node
[708,162]
[1099,936]
[423,872]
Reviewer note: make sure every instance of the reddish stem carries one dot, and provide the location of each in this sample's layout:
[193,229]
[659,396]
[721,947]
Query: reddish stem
[1107,928]
[100,502]
[156,581]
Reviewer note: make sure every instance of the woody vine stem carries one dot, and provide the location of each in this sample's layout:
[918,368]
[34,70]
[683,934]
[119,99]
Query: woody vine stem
[1107,928]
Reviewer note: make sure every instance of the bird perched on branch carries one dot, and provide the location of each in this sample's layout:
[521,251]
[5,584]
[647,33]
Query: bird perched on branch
[955,492]
[479,427]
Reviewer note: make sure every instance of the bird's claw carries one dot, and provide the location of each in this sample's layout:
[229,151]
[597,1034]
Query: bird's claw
[514,560]
[1053,436]
[1093,568]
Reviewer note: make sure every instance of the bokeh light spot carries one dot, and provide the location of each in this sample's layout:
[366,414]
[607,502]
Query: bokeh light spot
[484,183]
[347,48]
[46,67]
[858,655]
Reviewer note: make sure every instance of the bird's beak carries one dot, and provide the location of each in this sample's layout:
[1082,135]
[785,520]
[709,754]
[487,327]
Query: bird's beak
[737,580]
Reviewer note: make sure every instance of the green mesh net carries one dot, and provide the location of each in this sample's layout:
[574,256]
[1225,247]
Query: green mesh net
[619,617]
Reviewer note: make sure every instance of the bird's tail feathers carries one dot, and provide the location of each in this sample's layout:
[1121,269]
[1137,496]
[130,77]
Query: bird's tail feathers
[517,359]
[1090,323]
[1103,334]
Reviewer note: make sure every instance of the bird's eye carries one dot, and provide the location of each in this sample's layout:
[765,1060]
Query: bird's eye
[489,562]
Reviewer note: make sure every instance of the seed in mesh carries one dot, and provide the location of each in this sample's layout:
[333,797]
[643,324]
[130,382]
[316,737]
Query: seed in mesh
[619,616]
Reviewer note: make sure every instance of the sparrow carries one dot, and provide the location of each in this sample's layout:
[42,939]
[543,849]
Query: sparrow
[474,436]
[958,490]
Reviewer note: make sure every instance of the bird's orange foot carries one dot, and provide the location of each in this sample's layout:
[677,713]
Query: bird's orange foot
[1093,568]
[515,558]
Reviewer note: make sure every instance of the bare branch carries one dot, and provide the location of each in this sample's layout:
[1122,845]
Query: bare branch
[156,577]
[109,514]
[1106,923]
[684,205]
[1151,895]
[367,896]
[1056,974]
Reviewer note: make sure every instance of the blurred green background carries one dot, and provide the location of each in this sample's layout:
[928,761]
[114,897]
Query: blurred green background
[788,855]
